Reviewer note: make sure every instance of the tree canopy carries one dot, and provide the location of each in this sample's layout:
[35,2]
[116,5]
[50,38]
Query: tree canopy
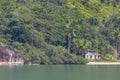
[43,29]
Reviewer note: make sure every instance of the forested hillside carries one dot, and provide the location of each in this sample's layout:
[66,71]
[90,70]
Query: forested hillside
[60,31]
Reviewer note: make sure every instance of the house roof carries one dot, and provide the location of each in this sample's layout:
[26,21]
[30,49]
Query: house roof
[89,53]
[95,53]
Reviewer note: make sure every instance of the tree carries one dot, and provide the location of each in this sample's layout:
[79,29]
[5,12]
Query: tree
[116,42]
[82,46]
[70,36]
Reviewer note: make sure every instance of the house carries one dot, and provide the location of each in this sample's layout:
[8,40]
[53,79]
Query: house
[10,56]
[93,55]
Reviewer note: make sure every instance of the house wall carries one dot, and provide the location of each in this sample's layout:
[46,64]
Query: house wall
[91,56]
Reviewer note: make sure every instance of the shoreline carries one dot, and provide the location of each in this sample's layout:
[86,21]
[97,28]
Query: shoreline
[4,63]
[90,63]
[7,63]
[103,63]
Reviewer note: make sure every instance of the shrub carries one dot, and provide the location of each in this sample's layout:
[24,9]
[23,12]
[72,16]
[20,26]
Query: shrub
[109,57]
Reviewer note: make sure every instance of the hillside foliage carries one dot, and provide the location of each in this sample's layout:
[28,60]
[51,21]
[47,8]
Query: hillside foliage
[60,31]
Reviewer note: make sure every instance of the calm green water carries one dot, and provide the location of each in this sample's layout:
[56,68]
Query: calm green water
[60,72]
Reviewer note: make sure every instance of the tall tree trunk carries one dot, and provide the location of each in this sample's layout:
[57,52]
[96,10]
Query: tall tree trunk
[69,43]
[118,49]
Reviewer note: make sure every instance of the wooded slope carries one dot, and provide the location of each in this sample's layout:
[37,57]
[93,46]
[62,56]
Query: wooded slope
[59,31]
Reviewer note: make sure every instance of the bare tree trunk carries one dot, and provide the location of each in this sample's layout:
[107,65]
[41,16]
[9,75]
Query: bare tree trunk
[69,43]
[118,48]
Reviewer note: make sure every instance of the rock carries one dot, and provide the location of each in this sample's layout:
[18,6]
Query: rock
[10,56]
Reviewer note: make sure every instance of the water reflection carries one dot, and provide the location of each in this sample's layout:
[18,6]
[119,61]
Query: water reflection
[59,72]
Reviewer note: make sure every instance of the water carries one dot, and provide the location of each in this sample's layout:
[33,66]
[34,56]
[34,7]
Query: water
[60,72]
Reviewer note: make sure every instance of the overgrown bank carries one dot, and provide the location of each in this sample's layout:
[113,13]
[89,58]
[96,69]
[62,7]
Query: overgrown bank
[60,31]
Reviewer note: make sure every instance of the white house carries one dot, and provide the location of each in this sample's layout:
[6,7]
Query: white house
[94,55]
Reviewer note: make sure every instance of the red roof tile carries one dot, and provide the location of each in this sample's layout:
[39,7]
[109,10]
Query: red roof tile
[96,54]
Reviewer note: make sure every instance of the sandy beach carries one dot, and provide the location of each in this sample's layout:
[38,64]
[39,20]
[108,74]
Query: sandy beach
[4,63]
[103,63]
[7,63]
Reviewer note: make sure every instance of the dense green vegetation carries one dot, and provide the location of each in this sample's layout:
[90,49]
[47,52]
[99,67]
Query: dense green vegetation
[60,31]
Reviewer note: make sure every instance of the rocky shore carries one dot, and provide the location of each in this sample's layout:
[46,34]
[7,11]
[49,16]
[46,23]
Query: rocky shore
[10,56]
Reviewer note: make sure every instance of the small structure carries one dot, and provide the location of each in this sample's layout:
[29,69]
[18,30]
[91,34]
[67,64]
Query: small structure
[94,55]
[10,56]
